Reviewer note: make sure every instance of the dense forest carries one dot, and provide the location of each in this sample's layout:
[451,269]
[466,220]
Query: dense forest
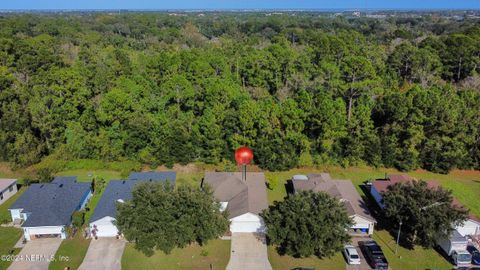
[300,90]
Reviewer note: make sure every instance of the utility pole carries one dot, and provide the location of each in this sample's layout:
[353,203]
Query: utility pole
[398,236]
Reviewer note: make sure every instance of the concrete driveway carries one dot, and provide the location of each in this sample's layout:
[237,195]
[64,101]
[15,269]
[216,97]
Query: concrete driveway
[248,251]
[104,253]
[364,264]
[36,254]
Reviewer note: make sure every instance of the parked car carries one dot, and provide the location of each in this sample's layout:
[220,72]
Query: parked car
[461,257]
[374,255]
[351,254]
[475,255]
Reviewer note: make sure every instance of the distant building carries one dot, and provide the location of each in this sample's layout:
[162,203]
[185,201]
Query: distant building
[45,210]
[344,191]
[8,188]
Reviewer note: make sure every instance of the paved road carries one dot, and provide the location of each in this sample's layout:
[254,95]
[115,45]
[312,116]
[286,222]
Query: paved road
[248,251]
[104,253]
[39,251]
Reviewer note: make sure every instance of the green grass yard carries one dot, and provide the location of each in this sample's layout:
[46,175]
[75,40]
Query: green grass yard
[74,249]
[216,253]
[5,216]
[8,237]
[287,262]
[416,259]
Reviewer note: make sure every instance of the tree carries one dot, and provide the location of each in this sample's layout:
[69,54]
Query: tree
[359,77]
[426,213]
[306,224]
[161,217]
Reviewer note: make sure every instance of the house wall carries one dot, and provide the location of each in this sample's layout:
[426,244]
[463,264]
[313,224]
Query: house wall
[104,227]
[470,227]
[29,232]
[361,223]
[248,222]
[85,199]
[377,196]
[7,193]
[16,214]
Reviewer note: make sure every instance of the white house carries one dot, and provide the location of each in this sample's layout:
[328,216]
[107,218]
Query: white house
[243,198]
[45,210]
[8,188]
[101,222]
[344,190]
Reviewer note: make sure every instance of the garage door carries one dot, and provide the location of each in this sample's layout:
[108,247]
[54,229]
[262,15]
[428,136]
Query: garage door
[249,226]
[106,231]
[39,236]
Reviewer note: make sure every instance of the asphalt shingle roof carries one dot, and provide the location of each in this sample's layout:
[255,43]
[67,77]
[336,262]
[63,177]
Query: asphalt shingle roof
[243,197]
[64,179]
[5,183]
[122,190]
[51,204]
[341,189]
[154,176]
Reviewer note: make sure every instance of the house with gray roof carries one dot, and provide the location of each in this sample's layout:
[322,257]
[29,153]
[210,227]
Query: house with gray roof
[102,220]
[243,199]
[45,209]
[8,188]
[345,192]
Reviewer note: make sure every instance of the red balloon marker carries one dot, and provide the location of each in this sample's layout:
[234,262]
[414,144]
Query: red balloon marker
[244,156]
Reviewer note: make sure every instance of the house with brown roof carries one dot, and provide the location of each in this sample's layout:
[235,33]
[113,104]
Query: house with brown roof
[470,227]
[380,186]
[244,199]
[363,222]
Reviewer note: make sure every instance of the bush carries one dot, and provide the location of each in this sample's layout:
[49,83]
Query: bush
[78,219]
[45,175]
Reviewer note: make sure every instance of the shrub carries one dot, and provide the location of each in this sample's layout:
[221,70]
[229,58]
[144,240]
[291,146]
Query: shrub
[78,219]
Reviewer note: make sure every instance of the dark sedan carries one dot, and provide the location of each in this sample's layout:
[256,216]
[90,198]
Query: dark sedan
[374,255]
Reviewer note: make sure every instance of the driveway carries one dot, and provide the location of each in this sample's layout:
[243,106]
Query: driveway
[364,265]
[248,251]
[104,253]
[36,254]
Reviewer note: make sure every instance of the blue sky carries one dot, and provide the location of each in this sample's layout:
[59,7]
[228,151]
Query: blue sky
[239,4]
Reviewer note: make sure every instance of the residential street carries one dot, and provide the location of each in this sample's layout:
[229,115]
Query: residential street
[248,251]
[36,254]
[104,253]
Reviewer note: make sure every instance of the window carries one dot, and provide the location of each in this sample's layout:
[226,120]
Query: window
[1,196]
[10,188]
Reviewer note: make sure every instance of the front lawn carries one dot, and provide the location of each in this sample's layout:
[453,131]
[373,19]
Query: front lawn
[8,238]
[73,249]
[5,216]
[215,254]
[288,262]
[418,258]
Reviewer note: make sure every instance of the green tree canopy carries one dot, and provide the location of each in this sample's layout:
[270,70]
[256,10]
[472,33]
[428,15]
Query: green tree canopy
[308,223]
[427,214]
[160,217]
